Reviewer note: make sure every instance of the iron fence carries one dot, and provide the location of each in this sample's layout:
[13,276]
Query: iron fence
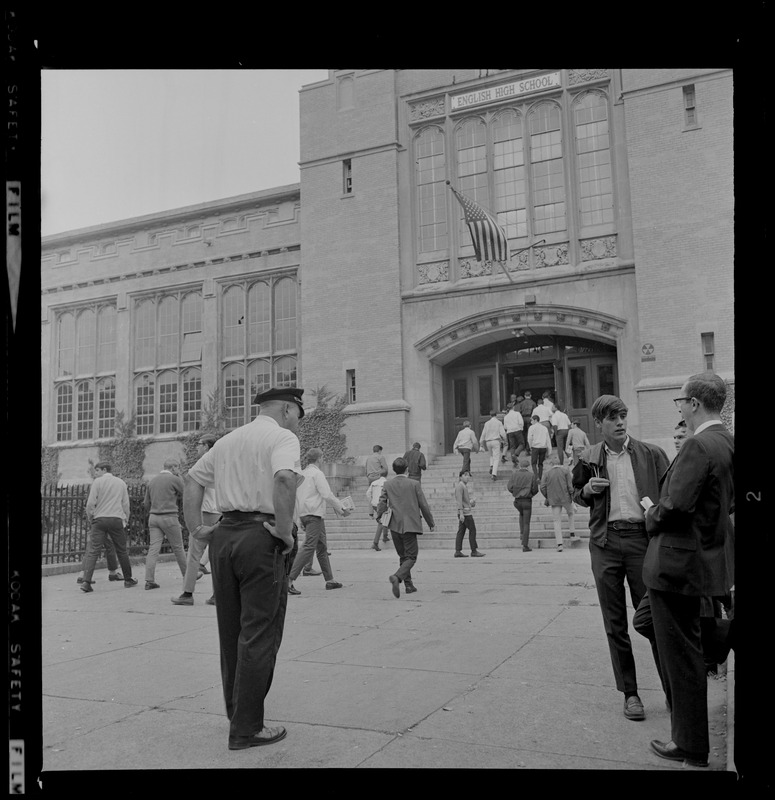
[64,527]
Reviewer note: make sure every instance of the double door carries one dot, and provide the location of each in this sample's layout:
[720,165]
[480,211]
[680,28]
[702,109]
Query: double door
[588,378]
[473,394]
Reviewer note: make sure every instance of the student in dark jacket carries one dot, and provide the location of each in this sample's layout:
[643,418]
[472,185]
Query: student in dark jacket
[523,485]
[611,478]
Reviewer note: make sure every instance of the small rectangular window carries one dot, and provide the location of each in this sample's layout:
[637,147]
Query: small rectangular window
[690,106]
[350,385]
[708,348]
[347,170]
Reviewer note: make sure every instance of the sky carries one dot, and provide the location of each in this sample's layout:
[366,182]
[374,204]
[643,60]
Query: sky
[123,143]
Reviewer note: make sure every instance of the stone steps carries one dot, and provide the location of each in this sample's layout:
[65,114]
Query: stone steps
[495,515]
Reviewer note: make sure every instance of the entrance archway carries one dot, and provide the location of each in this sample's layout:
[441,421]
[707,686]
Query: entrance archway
[486,358]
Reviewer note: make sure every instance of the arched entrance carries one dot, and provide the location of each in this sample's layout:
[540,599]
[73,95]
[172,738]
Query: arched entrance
[484,359]
[575,371]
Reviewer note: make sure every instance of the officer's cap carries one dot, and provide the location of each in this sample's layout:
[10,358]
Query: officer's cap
[289,394]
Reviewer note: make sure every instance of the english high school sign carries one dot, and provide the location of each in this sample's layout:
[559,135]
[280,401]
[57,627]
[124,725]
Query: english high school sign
[495,93]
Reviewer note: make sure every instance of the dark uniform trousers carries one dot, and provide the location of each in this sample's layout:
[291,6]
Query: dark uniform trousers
[250,582]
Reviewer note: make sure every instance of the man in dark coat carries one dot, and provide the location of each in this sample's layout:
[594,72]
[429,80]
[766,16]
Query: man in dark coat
[407,502]
[686,560]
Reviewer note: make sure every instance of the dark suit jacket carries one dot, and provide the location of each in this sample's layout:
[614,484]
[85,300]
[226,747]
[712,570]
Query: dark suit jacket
[408,502]
[689,525]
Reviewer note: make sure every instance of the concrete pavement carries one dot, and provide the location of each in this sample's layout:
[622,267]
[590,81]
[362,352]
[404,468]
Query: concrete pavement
[497,662]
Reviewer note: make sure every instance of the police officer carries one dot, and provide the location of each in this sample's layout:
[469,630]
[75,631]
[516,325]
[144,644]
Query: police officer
[255,470]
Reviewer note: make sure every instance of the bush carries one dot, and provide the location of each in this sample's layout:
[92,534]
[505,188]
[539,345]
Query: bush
[49,464]
[323,427]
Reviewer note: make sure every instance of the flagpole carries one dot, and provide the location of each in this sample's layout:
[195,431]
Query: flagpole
[511,254]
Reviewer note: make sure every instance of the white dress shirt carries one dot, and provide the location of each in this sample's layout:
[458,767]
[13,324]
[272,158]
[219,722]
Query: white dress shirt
[311,496]
[625,503]
[242,465]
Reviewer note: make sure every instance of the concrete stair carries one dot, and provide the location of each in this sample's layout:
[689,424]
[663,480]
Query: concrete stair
[495,515]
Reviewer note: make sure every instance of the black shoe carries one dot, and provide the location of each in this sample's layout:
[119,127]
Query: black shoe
[394,582]
[310,573]
[117,577]
[633,708]
[333,585]
[409,588]
[376,547]
[86,587]
[183,600]
[293,590]
[270,736]
[130,582]
[210,601]
[80,580]
[526,549]
[151,585]
[673,752]
[385,540]
[460,554]
[477,554]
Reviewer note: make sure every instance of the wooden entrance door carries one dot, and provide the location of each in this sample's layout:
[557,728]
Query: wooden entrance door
[473,395]
[588,378]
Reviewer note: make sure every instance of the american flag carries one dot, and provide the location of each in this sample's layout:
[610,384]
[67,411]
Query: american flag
[489,239]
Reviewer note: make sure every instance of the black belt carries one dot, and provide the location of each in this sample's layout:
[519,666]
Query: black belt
[619,525]
[257,515]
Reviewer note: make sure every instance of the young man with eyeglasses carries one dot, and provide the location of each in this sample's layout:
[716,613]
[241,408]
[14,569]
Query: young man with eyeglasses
[611,478]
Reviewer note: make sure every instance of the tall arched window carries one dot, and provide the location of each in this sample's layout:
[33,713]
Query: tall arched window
[471,150]
[548,183]
[167,386]
[593,160]
[85,410]
[64,412]
[509,174]
[285,314]
[431,190]
[285,372]
[192,399]
[106,336]
[232,321]
[259,319]
[106,408]
[168,343]
[144,403]
[86,349]
[86,337]
[66,342]
[234,394]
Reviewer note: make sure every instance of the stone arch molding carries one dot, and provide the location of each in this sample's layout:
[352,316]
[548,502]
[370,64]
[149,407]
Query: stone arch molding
[464,335]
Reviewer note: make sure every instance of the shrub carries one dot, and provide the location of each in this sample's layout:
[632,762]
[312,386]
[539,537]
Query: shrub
[322,427]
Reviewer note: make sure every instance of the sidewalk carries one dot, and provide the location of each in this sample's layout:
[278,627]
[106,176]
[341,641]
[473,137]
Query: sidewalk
[498,662]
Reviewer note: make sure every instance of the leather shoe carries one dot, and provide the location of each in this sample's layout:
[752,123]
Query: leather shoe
[293,590]
[151,585]
[526,549]
[210,601]
[394,582]
[117,577]
[409,588]
[204,570]
[376,547]
[333,585]
[311,572]
[477,554]
[633,708]
[130,582]
[673,752]
[264,736]
[460,554]
[80,580]
[183,600]
[86,587]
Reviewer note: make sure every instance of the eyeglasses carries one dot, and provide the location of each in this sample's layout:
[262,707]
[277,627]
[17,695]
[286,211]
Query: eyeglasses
[679,400]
